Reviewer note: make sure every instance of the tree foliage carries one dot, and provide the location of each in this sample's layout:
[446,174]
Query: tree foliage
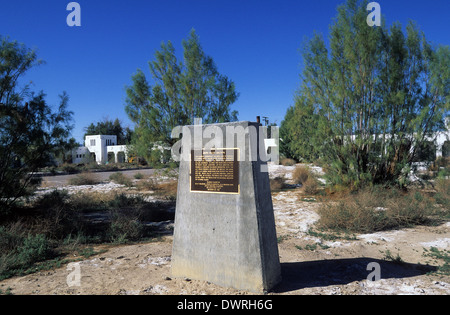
[369,100]
[181,91]
[31,133]
[110,127]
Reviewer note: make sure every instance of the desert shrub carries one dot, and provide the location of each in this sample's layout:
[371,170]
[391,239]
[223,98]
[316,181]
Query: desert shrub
[287,162]
[84,179]
[54,216]
[21,251]
[443,255]
[53,199]
[121,179]
[277,183]
[67,222]
[138,175]
[376,209]
[311,186]
[121,201]
[409,210]
[301,174]
[125,226]
[350,216]
[69,168]
[94,200]
[442,196]
[148,184]
[167,190]
[11,237]
[35,248]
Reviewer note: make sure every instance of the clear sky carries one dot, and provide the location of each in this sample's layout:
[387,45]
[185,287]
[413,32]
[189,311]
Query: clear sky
[254,42]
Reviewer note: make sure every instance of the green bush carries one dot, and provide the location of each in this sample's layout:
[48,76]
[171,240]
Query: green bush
[67,222]
[20,252]
[125,227]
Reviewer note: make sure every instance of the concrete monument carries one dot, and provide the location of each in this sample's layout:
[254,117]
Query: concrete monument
[224,223]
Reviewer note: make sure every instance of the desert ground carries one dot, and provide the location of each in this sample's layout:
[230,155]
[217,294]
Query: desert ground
[311,263]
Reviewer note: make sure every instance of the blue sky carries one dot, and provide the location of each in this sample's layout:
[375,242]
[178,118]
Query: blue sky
[254,42]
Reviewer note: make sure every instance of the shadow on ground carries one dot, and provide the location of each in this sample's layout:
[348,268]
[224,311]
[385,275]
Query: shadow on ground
[300,275]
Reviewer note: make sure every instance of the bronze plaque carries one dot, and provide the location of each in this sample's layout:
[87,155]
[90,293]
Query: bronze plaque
[215,171]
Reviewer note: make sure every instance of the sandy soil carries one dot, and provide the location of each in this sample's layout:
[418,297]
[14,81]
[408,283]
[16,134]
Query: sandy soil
[310,263]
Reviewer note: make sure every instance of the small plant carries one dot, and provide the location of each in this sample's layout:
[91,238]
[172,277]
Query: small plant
[7,292]
[441,255]
[20,252]
[125,227]
[277,183]
[311,247]
[138,176]
[121,179]
[147,185]
[376,209]
[442,195]
[87,252]
[167,190]
[390,257]
[282,238]
[301,174]
[311,186]
[331,236]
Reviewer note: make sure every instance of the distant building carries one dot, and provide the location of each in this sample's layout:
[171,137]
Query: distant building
[100,149]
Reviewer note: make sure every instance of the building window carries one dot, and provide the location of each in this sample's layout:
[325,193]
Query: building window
[92,142]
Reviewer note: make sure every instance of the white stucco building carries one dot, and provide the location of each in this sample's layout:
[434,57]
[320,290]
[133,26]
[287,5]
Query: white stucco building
[97,148]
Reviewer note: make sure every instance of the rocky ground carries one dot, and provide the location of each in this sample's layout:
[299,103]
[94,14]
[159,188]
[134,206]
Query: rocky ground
[311,262]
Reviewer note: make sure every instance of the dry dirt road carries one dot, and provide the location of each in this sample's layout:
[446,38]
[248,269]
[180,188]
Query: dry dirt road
[63,180]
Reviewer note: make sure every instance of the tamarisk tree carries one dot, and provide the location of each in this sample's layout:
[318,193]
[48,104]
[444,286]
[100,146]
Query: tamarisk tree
[180,92]
[31,133]
[369,100]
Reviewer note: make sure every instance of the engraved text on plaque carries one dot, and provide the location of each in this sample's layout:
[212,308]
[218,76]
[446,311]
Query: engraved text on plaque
[215,171]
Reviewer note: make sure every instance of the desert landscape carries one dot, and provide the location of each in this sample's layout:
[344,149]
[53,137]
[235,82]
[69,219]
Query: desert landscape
[313,261]
[333,117]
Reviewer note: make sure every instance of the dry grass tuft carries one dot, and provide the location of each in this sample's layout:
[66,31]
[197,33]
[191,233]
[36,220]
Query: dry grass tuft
[301,174]
[84,179]
[376,209]
[287,162]
[277,183]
